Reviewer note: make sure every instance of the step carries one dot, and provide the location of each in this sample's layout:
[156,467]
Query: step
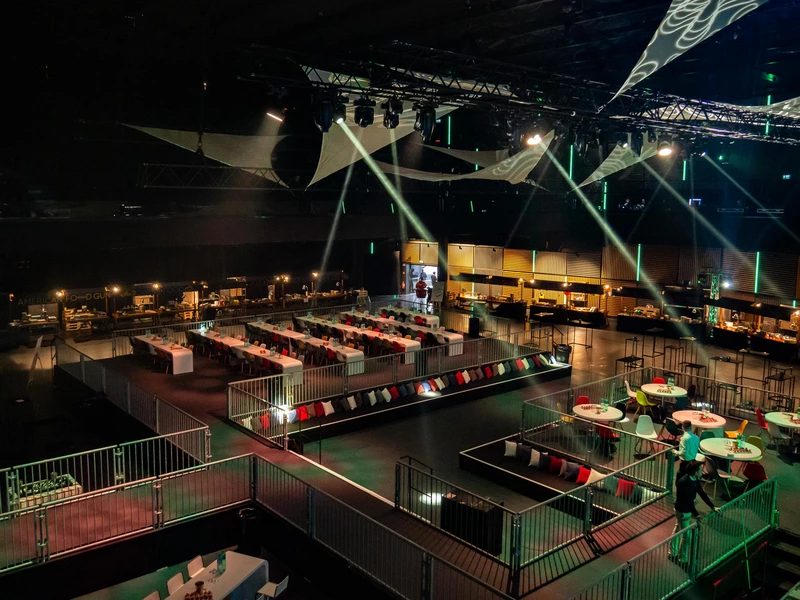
[791,551]
[787,567]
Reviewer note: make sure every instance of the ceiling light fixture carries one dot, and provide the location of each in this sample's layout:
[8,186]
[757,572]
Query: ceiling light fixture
[393,108]
[665,148]
[364,112]
[426,121]
[534,140]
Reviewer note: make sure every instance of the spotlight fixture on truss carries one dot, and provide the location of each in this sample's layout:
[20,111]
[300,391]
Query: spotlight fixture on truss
[665,147]
[364,112]
[426,121]
[622,140]
[393,109]
[637,141]
[323,113]
[339,110]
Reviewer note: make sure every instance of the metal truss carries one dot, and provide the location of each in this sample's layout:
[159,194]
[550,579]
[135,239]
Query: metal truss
[428,75]
[203,177]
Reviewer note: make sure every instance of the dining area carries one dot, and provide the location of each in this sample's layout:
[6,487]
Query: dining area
[431,336]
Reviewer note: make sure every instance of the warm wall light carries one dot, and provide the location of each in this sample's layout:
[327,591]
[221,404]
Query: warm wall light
[115,289]
[59,294]
[315,274]
[156,286]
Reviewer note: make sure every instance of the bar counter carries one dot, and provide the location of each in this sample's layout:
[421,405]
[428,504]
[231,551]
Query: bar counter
[561,315]
[672,327]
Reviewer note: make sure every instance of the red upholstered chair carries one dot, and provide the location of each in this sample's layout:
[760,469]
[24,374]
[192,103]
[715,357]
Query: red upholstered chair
[754,473]
[487,371]
[659,380]
[285,352]
[762,422]
[419,320]
[331,355]
[582,400]
[606,433]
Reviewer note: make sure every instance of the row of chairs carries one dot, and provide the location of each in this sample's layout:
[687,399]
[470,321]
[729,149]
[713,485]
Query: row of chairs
[157,357]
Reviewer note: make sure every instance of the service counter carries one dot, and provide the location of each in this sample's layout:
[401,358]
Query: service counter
[731,339]
[672,328]
[777,349]
[561,315]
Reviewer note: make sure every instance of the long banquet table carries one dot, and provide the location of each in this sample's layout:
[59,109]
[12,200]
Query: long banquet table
[410,346]
[353,357]
[455,341]
[243,577]
[182,358]
[430,320]
[285,364]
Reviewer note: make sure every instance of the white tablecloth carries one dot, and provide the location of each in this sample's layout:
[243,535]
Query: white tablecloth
[243,577]
[182,358]
[591,414]
[285,364]
[694,417]
[721,447]
[660,390]
[352,356]
[431,320]
[454,341]
[411,346]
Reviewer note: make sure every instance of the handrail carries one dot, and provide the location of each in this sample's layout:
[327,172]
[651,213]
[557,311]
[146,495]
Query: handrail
[410,458]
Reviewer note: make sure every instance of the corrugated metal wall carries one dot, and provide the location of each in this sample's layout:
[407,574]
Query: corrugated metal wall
[616,266]
[741,267]
[518,260]
[489,257]
[584,264]
[694,260]
[661,263]
[554,263]
[778,275]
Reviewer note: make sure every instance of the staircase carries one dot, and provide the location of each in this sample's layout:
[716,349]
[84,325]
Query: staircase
[783,566]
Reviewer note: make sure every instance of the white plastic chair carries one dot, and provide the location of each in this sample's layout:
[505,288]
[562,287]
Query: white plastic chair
[195,566]
[174,583]
[152,596]
[631,393]
[776,436]
[645,431]
[272,590]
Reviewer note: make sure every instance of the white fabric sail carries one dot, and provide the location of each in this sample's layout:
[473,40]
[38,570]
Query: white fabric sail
[620,159]
[252,153]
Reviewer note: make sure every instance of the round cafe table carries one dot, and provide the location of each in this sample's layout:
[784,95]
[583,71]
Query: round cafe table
[694,417]
[722,448]
[590,412]
[783,419]
[661,390]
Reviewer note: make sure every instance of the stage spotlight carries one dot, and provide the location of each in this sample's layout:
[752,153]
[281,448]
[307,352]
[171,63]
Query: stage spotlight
[534,139]
[426,121]
[622,140]
[323,114]
[364,112]
[339,110]
[637,141]
[665,147]
[726,284]
[393,108]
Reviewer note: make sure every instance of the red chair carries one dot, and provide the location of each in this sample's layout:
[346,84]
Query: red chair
[331,355]
[754,473]
[582,400]
[659,380]
[762,423]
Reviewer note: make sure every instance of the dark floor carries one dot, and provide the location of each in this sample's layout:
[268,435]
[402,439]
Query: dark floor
[367,457]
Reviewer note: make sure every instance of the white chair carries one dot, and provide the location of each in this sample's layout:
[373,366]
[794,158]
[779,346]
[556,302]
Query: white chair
[195,566]
[645,431]
[272,590]
[153,596]
[631,393]
[174,583]
[776,436]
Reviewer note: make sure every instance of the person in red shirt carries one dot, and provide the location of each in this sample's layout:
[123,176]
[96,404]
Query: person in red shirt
[422,288]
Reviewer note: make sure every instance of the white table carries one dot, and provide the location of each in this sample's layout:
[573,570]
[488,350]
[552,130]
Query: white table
[694,417]
[182,358]
[411,347]
[431,320]
[661,390]
[591,414]
[721,447]
[243,577]
[454,341]
[285,364]
[782,419]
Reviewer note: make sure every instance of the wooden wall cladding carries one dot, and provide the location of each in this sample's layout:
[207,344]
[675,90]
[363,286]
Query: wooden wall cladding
[460,255]
[778,275]
[554,263]
[489,257]
[584,264]
[518,260]
[695,260]
[741,268]
[409,253]
[617,266]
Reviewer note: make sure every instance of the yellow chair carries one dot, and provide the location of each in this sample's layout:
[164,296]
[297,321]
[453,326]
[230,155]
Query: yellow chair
[734,434]
[644,404]
[564,418]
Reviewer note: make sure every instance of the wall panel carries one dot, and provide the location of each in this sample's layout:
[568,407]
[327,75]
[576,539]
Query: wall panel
[554,263]
[778,275]
[694,260]
[661,263]
[460,255]
[518,260]
[741,268]
[429,253]
[584,264]
[489,257]
[409,253]
[616,266]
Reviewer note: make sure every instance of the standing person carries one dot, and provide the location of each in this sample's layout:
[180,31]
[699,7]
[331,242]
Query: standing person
[422,288]
[685,495]
[688,447]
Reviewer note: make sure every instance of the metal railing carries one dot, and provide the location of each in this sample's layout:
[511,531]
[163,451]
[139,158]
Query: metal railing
[651,575]
[519,540]
[160,416]
[384,371]
[258,415]
[38,482]
[62,526]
